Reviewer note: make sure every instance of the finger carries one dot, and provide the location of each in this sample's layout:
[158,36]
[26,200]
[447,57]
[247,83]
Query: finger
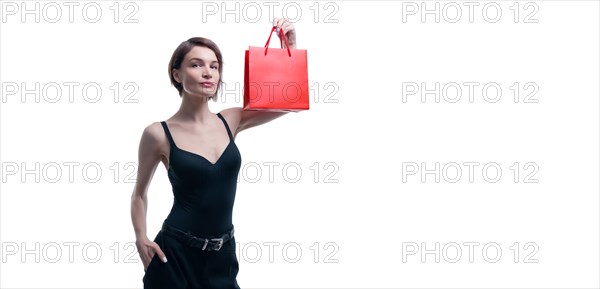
[287,27]
[277,22]
[160,254]
[276,25]
[148,257]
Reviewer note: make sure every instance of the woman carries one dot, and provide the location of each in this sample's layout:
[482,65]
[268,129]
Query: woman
[195,247]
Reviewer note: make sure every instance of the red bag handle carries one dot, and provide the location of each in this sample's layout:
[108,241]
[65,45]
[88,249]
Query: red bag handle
[280,41]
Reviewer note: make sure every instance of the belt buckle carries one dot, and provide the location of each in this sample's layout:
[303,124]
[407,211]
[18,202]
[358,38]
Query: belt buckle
[218,245]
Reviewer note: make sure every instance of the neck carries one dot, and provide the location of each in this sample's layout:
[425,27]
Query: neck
[194,109]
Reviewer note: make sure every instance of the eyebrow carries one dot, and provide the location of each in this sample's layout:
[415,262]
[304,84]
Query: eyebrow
[198,59]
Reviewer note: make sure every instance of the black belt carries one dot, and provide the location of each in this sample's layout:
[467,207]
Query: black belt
[210,244]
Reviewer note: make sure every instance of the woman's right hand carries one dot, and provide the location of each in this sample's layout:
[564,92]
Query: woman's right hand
[147,249]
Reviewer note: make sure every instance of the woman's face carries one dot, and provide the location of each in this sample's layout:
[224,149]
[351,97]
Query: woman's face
[199,72]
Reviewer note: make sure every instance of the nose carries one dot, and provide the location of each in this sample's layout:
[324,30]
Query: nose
[206,73]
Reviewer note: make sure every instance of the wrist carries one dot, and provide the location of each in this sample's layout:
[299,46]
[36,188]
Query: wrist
[141,237]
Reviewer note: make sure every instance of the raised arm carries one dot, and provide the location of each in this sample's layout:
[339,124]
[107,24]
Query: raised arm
[240,119]
[149,155]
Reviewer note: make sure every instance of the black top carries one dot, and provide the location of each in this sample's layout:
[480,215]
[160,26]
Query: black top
[203,192]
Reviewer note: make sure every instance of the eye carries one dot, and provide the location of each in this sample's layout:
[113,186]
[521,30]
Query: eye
[195,65]
[214,67]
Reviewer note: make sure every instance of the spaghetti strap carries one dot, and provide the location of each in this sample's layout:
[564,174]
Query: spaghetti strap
[226,126]
[168,133]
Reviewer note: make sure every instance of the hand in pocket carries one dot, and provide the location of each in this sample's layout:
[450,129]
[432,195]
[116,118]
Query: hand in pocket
[147,250]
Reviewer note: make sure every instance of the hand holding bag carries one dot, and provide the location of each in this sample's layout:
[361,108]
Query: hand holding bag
[276,79]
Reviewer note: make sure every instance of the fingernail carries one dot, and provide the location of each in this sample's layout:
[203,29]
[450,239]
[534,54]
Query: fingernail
[164,259]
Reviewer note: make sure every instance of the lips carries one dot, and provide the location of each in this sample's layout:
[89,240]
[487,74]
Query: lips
[207,84]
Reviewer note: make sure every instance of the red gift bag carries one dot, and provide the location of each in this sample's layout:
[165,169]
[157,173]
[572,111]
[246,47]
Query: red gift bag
[276,79]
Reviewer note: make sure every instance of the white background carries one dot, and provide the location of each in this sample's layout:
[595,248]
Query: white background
[363,135]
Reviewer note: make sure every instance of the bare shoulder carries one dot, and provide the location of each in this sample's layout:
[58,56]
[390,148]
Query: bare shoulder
[233,117]
[154,138]
[154,131]
[153,145]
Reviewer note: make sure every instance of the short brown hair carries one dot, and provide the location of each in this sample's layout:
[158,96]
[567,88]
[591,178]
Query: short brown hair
[182,50]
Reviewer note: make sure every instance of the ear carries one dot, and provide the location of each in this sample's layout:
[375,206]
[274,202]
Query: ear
[176,75]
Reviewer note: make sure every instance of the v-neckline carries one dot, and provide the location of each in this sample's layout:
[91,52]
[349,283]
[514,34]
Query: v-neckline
[174,145]
[202,157]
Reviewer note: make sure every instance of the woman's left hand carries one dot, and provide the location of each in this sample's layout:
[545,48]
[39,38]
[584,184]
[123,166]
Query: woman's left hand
[288,29]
